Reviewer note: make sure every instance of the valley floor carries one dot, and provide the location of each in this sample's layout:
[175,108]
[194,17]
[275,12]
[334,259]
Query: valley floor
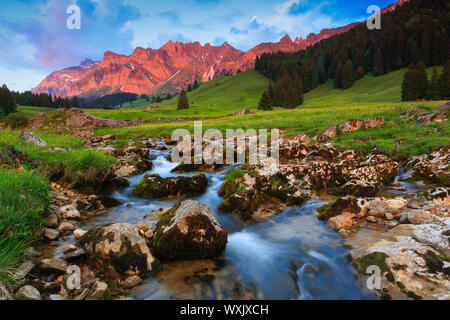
[383,184]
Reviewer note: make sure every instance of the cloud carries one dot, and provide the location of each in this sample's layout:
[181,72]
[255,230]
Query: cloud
[43,40]
[171,15]
[234,30]
[287,18]
[34,39]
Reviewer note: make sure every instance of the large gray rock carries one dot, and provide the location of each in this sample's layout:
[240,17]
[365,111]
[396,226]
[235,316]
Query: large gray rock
[51,234]
[350,126]
[189,231]
[329,133]
[419,217]
[119,249]
[31,137]
[54,266]
[28,293]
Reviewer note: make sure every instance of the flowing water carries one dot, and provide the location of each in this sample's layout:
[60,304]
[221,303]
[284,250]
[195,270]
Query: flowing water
[292,255]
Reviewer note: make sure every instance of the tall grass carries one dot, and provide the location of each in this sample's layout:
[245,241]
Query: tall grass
[23,202]
[76,164]
[24,191]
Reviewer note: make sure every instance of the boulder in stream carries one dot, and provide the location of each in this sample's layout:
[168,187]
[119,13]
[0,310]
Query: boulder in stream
[119,249]
[189,231]
[359,188]
[344,205]
[152,186]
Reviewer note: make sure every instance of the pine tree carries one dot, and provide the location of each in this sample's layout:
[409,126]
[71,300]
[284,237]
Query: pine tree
[426,49]
[270,90]
[415,83]
[74,103]
[433,91]
[347,75]
[299,86]
[278,94]
[183,102]
[379,63]
[7,102]
[189,88]
[408,84]
[422,80]
[265,103]
[291,97]
[444,82]
[338,76]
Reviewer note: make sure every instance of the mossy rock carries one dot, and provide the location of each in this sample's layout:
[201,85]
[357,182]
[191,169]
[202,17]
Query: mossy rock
[337,207]
[374,259]
[152,186]
[188,231]
[119,249]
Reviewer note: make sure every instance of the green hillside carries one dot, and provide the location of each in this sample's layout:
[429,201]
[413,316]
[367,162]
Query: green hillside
[370,89]
[221,96]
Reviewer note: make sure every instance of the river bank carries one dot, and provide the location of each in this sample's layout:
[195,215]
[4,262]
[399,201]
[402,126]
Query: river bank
[281,252]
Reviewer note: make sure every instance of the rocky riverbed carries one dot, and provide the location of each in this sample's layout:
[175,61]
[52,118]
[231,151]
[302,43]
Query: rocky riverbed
[305,230]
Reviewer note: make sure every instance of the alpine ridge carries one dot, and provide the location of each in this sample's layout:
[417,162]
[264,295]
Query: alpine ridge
[170,68]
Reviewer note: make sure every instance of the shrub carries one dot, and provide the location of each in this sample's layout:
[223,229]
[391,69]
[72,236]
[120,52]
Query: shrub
[87,166]
[183,102]
[15,120]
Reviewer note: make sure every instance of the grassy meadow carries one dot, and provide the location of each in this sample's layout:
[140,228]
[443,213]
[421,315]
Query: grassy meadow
[323,106]
[24,190]
[219,97]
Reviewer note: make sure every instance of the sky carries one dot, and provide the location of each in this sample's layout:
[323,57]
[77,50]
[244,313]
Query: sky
[35,40]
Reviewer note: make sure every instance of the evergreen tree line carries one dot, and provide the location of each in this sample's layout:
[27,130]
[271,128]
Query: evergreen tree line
[194,86]
[112,100]
[44,100]
[417,31]
[287,92]
[416,86]
[158,98]
[7,101]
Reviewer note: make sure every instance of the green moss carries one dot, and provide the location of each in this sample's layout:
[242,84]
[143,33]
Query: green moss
[230,187]
[444,257]
[275,182]
[324,211]
[240,189]
[337,206]
[165,219]
[253,173]
[433,262]
[141,187]
[377,259]
[441,180]
[234,174]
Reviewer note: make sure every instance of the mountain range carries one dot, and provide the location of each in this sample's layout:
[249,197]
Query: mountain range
[170,68]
